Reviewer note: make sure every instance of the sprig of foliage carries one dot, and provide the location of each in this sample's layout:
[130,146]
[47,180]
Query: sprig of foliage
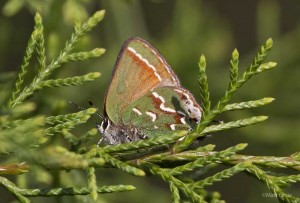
[176,159]
[19,94]
[22,194]
[207,160]
[235,83]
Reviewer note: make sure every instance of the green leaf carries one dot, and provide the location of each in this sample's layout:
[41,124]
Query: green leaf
[203,84]
[248,104]
[74,81]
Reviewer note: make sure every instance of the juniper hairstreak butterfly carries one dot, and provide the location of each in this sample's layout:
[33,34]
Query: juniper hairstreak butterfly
[145,98]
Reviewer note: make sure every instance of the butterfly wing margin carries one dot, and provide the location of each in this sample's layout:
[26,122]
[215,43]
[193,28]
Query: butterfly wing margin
[163,111]
[139,69]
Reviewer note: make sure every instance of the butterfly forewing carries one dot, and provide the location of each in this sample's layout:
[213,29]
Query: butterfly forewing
[138,70]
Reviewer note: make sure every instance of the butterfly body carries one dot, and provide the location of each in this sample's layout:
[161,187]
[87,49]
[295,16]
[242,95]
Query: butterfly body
[145,98]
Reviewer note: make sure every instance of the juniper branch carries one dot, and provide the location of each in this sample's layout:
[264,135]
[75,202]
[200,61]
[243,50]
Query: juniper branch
[203,84]
[145,143]
[23,70]
[78,33]
[234,64]
[119,164]
[81,56]
[248,104]
[71,191]
[175,193]
[10,186]
[73,81]
[40,48]
[220,176]
[200,162]
[92,183]
[268,180]
[192,195]
[255,67]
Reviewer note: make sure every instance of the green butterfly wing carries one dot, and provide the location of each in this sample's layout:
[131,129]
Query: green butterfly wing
[163,111]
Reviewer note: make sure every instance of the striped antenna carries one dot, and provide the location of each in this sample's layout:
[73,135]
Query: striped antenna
[82,108]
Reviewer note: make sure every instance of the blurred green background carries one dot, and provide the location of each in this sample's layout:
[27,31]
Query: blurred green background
[181,31]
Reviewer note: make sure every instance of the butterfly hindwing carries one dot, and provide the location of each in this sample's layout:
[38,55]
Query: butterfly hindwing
[139,68]
[163,111]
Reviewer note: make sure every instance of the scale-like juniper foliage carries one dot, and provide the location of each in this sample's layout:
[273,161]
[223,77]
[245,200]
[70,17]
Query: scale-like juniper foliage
[26,141]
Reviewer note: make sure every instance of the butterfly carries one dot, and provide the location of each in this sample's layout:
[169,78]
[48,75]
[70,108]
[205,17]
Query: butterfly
[144,98]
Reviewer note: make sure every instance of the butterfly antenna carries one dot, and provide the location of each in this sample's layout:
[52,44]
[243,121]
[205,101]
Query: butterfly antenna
[77,106]
[97,112]
[82,108]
